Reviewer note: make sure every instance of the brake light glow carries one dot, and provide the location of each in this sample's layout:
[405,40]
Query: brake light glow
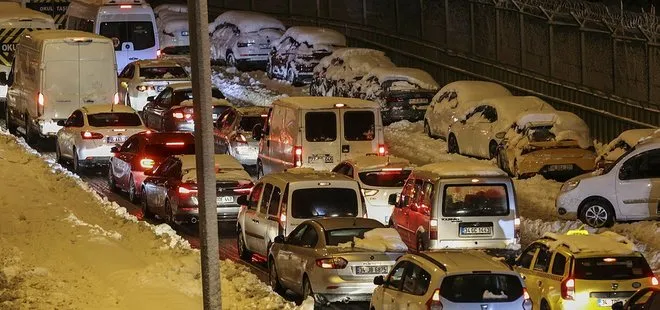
[125,6]
[88,135]
[434,303]
[40,99]
[568,289]
[147,163]
[282,218]
[264,115]
[332,263]
[654,281]
[115,99]
[392,169]
[240,138]
[381,150]
[433,229]
[243,190]
[297,156]
[186,191]
[174,143]
[339,105]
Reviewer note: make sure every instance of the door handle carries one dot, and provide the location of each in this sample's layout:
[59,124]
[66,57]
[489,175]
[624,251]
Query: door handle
[345,148]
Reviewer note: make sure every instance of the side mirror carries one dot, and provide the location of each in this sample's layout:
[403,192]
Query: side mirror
[242,200]
[149,172]
[257,132]
[379,280]
[61,123]
[3,78]
[279,239]
[393,199]
[151,98]
[617,305]
[115,149]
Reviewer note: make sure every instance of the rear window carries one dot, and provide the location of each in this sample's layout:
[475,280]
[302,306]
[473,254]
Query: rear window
[183,95]
[152,73]
[612,268]
[176,50]
[385,178]
[170,148]
[475,200]
[113,120]
[248,122]
[141,34]
[324,202]
[320,126]
[337,236]
[485,287]
[359,125]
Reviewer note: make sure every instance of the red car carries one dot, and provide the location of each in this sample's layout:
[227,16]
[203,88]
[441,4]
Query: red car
[144,151]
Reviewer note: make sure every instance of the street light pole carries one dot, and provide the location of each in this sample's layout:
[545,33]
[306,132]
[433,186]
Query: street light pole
[204,150]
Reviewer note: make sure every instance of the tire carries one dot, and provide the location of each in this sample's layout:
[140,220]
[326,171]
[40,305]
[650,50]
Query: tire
[597,213]
[58,154]
[273,279]
[132,191]
[492,149]
[111,180]
[427,129]
[10,126]
[231,60]
[29,135]
[75,163]
[420,243]
[243,251]
[452,145]
[146,214]
[306,288]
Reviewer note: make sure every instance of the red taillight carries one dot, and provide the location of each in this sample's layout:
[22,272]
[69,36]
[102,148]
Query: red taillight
[434,303]
[40,99]
[382,150]
[297,156]
[332,263]
[89,135]
[654,281]
[568,289]
[175,143]
[186,191]
[125,6]
[147,163]
[433,229]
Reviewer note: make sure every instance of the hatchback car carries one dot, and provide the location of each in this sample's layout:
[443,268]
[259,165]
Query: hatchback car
[172,109]
[145,78]
[621,144]
[582,271]
[450,280]
[141,152]
[170,190]
[379,177]
[233,133]
[90,132]
[314,260]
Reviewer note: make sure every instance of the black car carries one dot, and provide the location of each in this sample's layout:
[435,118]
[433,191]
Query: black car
[647,298]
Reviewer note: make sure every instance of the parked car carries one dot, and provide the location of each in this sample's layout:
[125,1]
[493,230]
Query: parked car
[450,280]
[452,99]
[379,177]
[579,270]
[627,190]
[318,260]
[145,78]
[242,39]
[279,202]
[173,32]
[336,73]
[456,205]
[621,144]
[141,152]
[172,109]
[294,56]
[233,133]
[403,93]
[554,144]
[90,132]
[170,190]
[479,130]
[645,299]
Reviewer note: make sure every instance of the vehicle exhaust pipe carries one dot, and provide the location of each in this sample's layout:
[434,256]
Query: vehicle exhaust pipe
[194,220]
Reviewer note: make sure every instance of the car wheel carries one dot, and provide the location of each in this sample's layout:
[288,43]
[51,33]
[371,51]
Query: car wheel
[420,243]
[111,179]
[170,217]
[29,135]
[146,214]
[58,154]
[132,191]
[452,145]
[427,129]
[231,60]
[492,149]
[10,125]
[597,213]
[243,252]
[273,279]
[76,163]
[307,288]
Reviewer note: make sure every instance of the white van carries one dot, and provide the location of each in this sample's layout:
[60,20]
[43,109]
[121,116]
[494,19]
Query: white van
[129,23]
[318,132]
[54,73]
[14,21]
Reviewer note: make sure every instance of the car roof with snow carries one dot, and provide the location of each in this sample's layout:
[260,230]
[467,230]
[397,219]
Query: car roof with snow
[475,90]
[332,223]
[317,103]
[178,8]
[173,24]
[650,142]
[253,110]
[589,245]
[315,35]
[565,125]
[508,108]
[368,162]
[156,63]
[226,168]
[453,169]
[12,11]
[37,37]
[106,108]
[415,76]
[247,21]
[464,261]
[306,174]
[347,53]
[632,136]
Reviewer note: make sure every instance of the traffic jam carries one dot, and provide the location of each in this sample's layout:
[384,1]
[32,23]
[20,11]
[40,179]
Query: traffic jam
[309,185]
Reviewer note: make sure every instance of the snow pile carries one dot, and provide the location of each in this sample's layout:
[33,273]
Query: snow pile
[93,229]
[246,21]
[490,295]
[252,88]
[378,239]
[626,140]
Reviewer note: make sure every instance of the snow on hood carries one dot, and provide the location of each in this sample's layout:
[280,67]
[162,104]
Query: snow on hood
[246,21]
[463,169]
[214,101]
[633,136]
[508,108]
[379,240]
[355,59]
[607,242]
[414,76]
[565,126]
[314,36]
[226,168]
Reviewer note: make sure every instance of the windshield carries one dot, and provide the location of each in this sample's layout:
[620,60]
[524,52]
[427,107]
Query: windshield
[171,148]
[337,236]
[324,202]
[248,122]
[612,268]
[473,288]
[140,34]
[359,125]
[385,178]
[157,73]
[475,200]
[114,120]
[609,167]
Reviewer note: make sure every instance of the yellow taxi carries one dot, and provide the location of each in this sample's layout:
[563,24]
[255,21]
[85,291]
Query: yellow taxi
[578,270]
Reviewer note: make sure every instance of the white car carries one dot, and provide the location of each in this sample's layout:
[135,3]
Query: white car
[621,144]
[479,131]
[450,280]
[233,133]
[91,131]
[624,191]
[146,78]
[379,177]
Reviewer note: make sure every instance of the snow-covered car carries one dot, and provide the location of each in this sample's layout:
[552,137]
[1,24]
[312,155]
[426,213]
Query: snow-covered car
[450,280]
[627,190]
[170,190]
[333,259]
[173,32]
[91,131]
[335,74]
[379,177]
[554,144]
[145,78]
[242,39]
[403,93]
[621,144]
[455,97]
[294,56]
[233,133]
[480,129]
[172,109]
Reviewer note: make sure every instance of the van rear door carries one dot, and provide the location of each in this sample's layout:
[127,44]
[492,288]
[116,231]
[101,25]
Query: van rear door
[322,139]
[360,132]
[98,81]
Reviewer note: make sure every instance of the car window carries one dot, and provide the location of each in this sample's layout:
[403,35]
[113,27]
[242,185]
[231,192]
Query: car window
[296,235]
[248,122]
[169,148]
[407,193]
[254,196]
[174,170]
[490,114]
[559,264]
[385,177]
[543,260]
[130,146]
[525,259]
[416,280]
[274,202]
[162,168]
[645,165]
[114,119]
[427,195]
[359,125]
[75,120]
[265,198]
[475,200]
[612,268]
[395,278]
[157,73]
[125,71]
[228,118]
[310,237]
[320,126]
[481,288]
[164,99]
[336,236]
[139,33]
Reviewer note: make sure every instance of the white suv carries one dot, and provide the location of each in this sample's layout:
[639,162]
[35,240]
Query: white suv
[450,280]
[628,189]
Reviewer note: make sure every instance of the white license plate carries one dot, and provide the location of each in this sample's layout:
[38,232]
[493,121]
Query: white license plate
[560,167]
[116,139]
[327,158]
[608,302]
[418,100]
[371,270]
[225,200]
[215,116]
[476,231]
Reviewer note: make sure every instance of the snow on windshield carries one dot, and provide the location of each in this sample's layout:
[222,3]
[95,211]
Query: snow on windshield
[163,73]
[378,239]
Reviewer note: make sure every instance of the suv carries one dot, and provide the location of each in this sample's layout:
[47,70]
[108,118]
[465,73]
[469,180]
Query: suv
[450,280]
[582,271]
[279,202]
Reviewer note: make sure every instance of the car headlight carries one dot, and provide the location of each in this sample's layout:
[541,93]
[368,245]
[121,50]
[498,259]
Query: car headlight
[570,185]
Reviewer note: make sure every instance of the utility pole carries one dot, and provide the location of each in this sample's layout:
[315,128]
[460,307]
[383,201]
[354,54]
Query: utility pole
[204,151]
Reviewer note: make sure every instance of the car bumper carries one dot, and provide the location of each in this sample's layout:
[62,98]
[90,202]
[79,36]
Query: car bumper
[379,211]
[486,244]
[335,289]
[191,215]
[567,206]
[399,114]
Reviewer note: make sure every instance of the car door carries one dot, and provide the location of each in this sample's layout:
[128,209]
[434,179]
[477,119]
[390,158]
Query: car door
[420,210]
[123,80]
[638,185]
[171,175]
[121,163]
[541,271]
[523,266]
[162,107]
[482,132]
[268,218]
[152,184]
[415,284]
[225,130]
[401,211]
[66,138]
[466,129]
[285,255]
[250,220]
[256,228]
[153,110]
[359,133]
[392,286]
[302,252]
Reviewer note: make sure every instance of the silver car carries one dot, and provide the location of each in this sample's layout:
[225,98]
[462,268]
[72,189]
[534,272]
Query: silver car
[233,133]
[310,261]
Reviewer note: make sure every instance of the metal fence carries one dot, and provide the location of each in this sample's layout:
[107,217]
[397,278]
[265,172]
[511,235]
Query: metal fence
[583,57]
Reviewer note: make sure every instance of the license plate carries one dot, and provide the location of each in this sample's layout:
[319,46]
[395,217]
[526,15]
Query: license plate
[476,231]
[116,139]
[326,158]
[215,116]
[371,270]
[225,200]
[560,167]
[418,100]
[607,302]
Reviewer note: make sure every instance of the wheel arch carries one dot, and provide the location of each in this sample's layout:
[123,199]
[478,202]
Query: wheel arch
[596,197]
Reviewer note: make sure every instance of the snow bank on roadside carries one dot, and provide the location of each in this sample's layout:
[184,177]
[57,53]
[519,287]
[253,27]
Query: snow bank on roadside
[252,88]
